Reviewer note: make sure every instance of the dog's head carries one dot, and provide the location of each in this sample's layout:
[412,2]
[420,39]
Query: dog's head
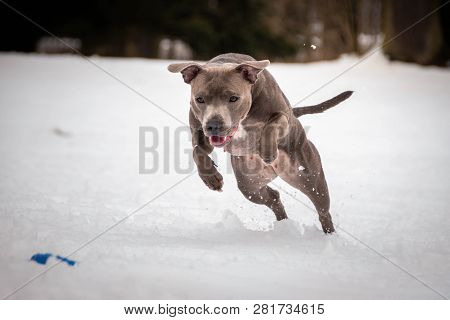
[221,94]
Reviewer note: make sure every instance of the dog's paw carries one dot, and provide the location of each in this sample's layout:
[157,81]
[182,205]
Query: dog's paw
[327,223]
[213,180]
[268,152]
[269,158]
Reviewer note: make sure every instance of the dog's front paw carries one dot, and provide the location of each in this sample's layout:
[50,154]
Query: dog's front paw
[268,154]
[213,179]
[269,158]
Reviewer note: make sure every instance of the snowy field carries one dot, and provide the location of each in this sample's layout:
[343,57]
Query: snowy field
[69,169]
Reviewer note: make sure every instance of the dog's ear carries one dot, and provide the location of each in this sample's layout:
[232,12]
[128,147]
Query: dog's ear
[189,70]
[251,69]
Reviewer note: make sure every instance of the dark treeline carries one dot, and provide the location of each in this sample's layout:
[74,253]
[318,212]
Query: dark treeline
[283,30]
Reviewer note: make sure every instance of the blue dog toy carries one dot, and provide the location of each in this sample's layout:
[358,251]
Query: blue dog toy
[42,258]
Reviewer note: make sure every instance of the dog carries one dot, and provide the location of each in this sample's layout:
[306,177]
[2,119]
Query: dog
[236,104]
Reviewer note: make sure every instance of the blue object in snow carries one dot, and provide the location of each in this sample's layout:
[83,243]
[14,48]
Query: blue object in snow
[69,262]
[41,258]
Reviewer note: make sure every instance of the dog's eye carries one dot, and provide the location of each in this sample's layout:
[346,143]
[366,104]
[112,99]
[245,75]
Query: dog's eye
[200,100]
[234,99]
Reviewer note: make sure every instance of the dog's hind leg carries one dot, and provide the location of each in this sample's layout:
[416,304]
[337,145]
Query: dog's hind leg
[304,172]
[252,177]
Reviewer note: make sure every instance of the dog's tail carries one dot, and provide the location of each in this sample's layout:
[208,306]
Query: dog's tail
[318,108]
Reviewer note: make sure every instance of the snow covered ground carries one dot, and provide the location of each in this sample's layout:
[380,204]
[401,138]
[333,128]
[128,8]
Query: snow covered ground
[69,169]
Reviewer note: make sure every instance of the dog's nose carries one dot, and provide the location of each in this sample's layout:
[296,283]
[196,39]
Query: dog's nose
[214,127]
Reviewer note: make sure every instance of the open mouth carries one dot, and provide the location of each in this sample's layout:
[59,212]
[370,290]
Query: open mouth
[220,141]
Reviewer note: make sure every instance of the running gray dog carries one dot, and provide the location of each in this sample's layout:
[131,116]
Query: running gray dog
[237,104]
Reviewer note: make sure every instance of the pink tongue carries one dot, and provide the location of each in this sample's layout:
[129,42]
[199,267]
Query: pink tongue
[217,139]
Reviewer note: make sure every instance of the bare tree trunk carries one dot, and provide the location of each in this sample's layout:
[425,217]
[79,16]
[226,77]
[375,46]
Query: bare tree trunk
[422,44]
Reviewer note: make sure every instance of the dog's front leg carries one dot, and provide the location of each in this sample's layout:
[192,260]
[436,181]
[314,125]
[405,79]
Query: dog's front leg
[276,128]
[202,148]
[207,170]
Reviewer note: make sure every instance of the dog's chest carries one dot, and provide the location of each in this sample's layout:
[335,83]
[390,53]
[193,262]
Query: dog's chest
[245,141]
